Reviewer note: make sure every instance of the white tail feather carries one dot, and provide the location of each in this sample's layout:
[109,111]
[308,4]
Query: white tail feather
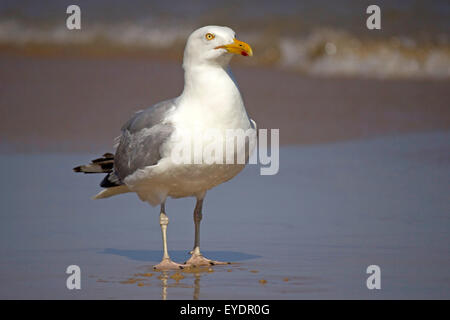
[109,192]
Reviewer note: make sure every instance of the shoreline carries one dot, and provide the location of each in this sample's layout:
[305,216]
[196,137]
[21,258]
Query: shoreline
[59,104]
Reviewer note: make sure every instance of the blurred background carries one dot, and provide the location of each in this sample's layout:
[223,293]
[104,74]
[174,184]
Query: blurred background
[315,59]
[312,37]
[364,119]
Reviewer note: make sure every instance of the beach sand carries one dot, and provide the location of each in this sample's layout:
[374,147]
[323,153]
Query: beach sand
[308,232]
[79,104]
[363,180]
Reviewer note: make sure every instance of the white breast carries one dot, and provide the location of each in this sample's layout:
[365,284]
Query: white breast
[210,101]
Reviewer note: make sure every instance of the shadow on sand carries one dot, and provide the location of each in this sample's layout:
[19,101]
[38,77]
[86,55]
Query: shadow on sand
[178,255]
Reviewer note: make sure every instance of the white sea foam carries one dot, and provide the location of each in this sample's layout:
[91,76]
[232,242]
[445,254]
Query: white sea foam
[321,52]
[325,52]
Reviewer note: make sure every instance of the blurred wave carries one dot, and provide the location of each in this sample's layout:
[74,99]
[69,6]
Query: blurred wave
[330,52]
[312,38]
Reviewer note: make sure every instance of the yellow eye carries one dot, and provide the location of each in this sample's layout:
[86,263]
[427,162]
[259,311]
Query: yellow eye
[209,36]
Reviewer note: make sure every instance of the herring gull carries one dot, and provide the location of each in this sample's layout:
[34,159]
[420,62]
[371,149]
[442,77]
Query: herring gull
[143,160]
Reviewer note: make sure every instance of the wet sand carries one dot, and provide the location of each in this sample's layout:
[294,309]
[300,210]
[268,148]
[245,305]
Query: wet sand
[308,232]
[79,104]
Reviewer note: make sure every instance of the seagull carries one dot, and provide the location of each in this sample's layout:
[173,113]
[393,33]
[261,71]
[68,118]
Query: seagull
[143,160]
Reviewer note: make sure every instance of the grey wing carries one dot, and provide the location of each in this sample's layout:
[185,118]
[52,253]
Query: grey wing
[141,139]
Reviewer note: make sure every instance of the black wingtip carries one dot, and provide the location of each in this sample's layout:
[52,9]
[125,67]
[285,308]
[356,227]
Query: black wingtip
[77,169]
[110,180]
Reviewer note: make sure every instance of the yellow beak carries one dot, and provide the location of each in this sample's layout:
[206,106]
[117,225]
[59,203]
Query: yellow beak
[238,47]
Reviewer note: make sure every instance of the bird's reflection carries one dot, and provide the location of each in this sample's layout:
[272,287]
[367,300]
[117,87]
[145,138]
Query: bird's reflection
[196,286]
[164,285]
[166,276]
[171,281]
